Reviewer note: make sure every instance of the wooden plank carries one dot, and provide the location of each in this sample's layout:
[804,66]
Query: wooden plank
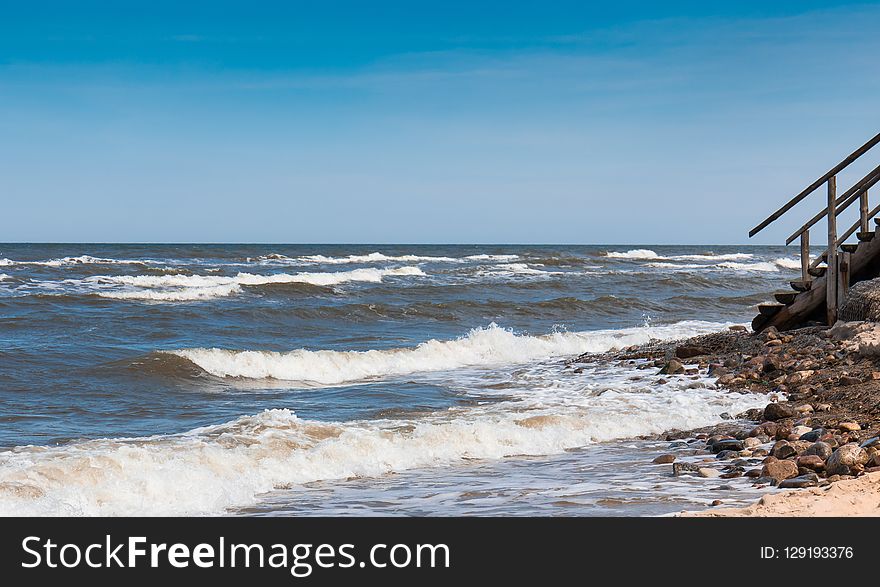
[770,308]
[813,186]
[863,211]
[831,284]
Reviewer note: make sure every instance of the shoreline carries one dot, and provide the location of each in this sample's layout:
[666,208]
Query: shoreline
[817,442]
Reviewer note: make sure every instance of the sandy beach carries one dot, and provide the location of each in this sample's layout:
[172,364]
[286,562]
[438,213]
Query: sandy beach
[850,498]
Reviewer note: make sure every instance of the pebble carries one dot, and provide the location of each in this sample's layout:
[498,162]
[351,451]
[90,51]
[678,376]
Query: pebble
[780,470]
[813,435]
[728,444]
[751,442]
[664,460]
[707,472]
[808,480]
[871,442]
[849,426]
[778,411]
[821,449]
[783,449]
[848,459]
[673,367]
[813,462]
[679,469]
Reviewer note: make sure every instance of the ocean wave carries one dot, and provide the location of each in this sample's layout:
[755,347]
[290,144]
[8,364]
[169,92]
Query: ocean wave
[633,254]
[178,295]
[788,263]
[487,346]
[353,259]
[485,257]
[514,269]
[4,276]
[81,260]
[649,255]
[761,266]
[183,287]
[212,469]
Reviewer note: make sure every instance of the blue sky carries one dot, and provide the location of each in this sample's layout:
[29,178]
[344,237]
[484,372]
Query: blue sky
[384,122]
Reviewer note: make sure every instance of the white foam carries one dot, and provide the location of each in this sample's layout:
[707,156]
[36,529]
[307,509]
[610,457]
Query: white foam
[4,276]
[376,258]
[211,469]
[179,295]
[633,254]
[179,287]
[760,266]
[788,263]
[81,260]
[485,257]
[711,257]
[667,265]
[649,255]
[488,346]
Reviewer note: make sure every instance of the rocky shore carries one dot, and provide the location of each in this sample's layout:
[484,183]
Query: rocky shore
[822,425]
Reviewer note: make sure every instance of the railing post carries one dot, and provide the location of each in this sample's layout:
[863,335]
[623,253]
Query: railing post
[831,261]
[843,277]
[805,256]
[863,211]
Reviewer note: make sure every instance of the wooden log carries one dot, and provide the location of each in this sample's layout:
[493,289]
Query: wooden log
[831,275]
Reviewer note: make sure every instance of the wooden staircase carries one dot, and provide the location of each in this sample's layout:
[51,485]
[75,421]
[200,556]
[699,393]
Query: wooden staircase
[825,280]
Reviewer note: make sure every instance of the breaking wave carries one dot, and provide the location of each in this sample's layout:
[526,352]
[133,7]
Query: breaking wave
[81,260]
[179,287]
[487,346]
[212,469]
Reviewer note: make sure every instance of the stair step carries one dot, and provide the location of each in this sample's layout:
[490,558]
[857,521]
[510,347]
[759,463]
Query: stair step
[877,221]
[785,297]
[824,256]
[849,248]
[770,308]
[865,236]
[801,285]
[818,271]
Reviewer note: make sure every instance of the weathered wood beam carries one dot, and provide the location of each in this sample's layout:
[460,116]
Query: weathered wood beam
[831,283]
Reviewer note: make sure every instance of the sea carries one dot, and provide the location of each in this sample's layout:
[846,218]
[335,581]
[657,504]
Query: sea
[345,380]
